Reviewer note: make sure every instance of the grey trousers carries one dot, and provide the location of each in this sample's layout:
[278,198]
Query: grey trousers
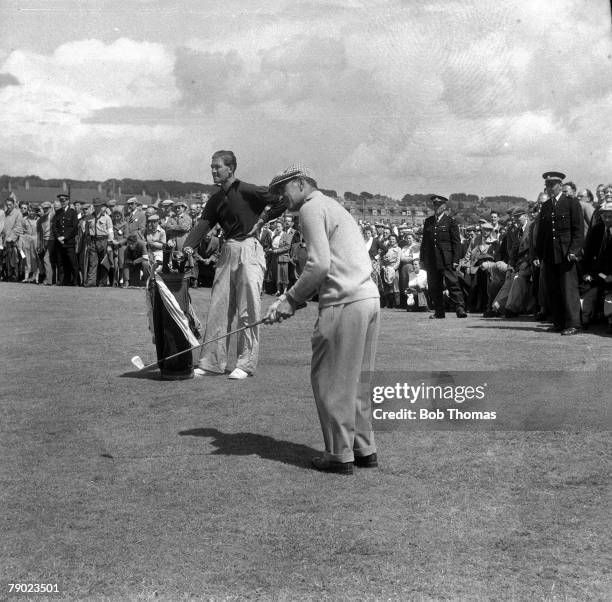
[236,293]
[344,346]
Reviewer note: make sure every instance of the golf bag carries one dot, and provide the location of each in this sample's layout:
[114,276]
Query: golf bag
[172,321]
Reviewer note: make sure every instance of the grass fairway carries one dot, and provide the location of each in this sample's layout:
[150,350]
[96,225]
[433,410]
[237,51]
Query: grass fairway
[120,487]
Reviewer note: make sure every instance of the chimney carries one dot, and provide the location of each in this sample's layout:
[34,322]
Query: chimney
[27,184]
[64,186]
[119,192]
[100,187]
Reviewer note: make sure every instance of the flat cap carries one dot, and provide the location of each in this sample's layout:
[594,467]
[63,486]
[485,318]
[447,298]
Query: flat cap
[167,203]
[99,203]
[153,217]
[486,225]
[111,203]
[436,199]
[46,205]
[63,195]
[553,176]
[295,170]
[132,199]
[180,204]
[518,211]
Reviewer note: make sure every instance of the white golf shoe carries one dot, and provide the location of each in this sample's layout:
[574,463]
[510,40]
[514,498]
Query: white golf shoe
[200,372]
[238,374]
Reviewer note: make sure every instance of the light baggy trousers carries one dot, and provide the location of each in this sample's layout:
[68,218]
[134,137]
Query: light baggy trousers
[236,293]
[344,346]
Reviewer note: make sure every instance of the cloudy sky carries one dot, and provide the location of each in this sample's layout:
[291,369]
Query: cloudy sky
[390,96]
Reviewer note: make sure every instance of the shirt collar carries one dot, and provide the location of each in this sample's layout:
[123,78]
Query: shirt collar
[313,194]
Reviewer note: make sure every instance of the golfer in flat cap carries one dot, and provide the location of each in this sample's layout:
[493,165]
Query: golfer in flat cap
[344,340]
[240,209]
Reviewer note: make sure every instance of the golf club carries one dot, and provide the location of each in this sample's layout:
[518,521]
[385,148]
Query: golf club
[138,363]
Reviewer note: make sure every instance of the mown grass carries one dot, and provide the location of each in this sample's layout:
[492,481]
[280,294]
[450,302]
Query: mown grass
[117,487]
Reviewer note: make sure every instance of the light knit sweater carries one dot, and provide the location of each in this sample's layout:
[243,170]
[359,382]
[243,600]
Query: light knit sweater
[338,266]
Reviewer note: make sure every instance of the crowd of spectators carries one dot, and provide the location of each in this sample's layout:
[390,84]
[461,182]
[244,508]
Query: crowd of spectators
[105,244]
[67,243]
[499,271]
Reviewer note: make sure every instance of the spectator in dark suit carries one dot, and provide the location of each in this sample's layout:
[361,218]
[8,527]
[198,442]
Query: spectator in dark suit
[597,266]
[65,228]
[440,252]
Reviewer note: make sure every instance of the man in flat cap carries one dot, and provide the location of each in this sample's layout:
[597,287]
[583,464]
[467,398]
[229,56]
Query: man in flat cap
[101,235]
[240,209]
[45,242]
[65,228]
[559,247]
[440,254]
[520,297]
[155,238]
[177,225]
[10,231]
[345,335]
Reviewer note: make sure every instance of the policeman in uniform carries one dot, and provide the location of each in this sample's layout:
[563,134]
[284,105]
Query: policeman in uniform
[65,228]
[559,247]
[440,253]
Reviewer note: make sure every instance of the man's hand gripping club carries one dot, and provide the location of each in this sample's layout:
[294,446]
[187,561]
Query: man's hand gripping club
[281,309]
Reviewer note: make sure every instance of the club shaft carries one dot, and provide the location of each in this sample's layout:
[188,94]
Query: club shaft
[223,336]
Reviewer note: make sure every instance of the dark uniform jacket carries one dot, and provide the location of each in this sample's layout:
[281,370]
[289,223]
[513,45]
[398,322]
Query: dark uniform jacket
[65,223]
[598,251]
[560,230]
[441,244]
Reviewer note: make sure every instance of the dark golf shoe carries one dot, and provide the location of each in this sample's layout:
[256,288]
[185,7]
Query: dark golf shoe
[326,465]
[370,461]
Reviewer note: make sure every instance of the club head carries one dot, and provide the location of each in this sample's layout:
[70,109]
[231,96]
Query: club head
[137,362]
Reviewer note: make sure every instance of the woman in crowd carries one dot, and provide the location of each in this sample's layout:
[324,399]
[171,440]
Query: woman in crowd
[373,252]
[28,244]
[389,265]
[283,258]
[118,244]
[272,256]
[409,251]
[82,240]
[416,287]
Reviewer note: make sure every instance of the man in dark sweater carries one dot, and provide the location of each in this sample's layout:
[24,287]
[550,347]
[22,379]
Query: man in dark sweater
[240,209]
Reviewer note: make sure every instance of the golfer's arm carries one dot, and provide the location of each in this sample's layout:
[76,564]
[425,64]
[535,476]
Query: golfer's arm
[319,257]
[197,234]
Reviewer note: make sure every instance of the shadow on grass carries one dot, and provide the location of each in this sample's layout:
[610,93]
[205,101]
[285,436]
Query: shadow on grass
[153,374]
[247,444]
[510,326]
